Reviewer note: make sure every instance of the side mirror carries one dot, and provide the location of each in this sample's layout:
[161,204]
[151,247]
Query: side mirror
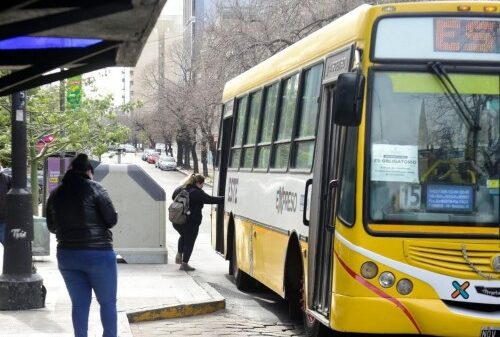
[348,100]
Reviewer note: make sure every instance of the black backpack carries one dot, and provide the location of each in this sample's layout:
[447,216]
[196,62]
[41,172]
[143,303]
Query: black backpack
[179,208]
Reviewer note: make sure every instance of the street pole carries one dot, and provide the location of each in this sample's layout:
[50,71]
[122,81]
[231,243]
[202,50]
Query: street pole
[62,106]
[20,288]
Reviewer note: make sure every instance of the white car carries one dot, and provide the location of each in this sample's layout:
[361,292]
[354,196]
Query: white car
[167,163]
[129,148]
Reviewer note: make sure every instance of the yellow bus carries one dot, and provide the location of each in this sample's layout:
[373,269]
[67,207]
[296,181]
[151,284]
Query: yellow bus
[360,168]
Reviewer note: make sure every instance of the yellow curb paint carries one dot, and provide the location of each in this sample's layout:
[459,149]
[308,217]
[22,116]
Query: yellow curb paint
[176,311]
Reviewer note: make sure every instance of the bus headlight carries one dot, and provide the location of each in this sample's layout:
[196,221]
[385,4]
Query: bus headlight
[369,270]
[404,286]
[386,279]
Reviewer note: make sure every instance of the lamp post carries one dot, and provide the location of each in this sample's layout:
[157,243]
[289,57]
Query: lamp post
[20,288]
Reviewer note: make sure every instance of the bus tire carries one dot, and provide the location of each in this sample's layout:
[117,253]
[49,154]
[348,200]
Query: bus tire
[295,303]
[294,281]
[315,328]
[242,280]
[229,246]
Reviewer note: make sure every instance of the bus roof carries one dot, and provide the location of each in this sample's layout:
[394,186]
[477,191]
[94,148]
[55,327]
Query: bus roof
[341,32]
[300,53]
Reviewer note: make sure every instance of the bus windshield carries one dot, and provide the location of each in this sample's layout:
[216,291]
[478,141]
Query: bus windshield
[434,152]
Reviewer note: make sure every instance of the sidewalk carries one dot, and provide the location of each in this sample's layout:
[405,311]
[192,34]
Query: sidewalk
[145,292]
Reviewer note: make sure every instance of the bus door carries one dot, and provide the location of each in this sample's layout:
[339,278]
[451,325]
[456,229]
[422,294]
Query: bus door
[323,210]
[223,160]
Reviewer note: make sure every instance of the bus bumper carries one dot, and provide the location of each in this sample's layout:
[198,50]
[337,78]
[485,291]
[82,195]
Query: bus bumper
[408,316]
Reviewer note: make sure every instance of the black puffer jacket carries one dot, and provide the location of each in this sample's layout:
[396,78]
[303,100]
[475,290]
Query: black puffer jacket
[197,198]
[81,213]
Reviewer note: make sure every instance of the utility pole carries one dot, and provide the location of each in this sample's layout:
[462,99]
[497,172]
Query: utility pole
[20,288]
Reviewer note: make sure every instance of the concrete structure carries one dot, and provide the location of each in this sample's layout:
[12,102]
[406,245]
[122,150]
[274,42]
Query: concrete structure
[139,236]
[41,239]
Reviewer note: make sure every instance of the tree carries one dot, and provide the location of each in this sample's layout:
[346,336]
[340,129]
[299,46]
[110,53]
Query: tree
[89,128]
[5,141]
[238,35]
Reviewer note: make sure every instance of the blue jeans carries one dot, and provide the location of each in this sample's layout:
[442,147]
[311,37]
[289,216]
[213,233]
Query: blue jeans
[84,270]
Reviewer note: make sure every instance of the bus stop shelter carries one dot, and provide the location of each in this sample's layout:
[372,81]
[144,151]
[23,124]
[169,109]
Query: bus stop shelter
[43,41]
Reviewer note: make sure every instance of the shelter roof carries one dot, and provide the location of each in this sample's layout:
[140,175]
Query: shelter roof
[115,31]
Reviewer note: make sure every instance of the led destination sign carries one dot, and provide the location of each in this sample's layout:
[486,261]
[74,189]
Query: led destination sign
[422,39]
[462,35]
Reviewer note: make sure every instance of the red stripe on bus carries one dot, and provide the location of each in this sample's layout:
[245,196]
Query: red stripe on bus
[378,292]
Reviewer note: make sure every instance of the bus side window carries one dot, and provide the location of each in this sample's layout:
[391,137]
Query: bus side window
[251,132]
[266,129]
[303,151]
[234,160]
[281,150]
[223,108]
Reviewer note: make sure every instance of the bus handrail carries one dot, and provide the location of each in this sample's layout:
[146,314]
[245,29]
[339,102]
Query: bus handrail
[304,212]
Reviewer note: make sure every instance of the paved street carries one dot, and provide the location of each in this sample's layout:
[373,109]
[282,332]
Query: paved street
[260,313]
[220,324]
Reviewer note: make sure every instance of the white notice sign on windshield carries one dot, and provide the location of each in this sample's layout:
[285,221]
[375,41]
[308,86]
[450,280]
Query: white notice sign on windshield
[394,163]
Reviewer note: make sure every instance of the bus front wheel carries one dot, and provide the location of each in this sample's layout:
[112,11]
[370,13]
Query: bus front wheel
[315,328]
[242,280]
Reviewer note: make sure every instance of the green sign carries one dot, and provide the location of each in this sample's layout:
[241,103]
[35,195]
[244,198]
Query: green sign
[74,91]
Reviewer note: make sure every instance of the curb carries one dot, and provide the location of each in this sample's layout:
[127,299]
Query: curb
[180,310]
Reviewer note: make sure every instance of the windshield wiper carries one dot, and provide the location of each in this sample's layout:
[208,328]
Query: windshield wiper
[454,96]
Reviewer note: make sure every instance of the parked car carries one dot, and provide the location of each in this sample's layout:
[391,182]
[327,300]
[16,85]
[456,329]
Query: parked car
[129,148]
[146,153]
[152,158]
[167,163]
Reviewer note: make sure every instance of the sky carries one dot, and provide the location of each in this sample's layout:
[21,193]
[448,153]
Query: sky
[173,7]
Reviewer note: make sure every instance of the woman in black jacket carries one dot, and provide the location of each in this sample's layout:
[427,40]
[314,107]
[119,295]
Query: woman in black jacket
[80,213]
[189,231]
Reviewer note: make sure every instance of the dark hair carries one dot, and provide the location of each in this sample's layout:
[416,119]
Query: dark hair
[81,164]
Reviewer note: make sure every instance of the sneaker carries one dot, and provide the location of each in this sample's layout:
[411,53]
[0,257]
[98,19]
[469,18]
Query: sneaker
[186,267]
[178,258]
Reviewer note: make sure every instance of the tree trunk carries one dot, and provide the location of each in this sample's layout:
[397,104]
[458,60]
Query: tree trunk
[195,158]
[180,152]
[152,143]
[187,158]
[204,158]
